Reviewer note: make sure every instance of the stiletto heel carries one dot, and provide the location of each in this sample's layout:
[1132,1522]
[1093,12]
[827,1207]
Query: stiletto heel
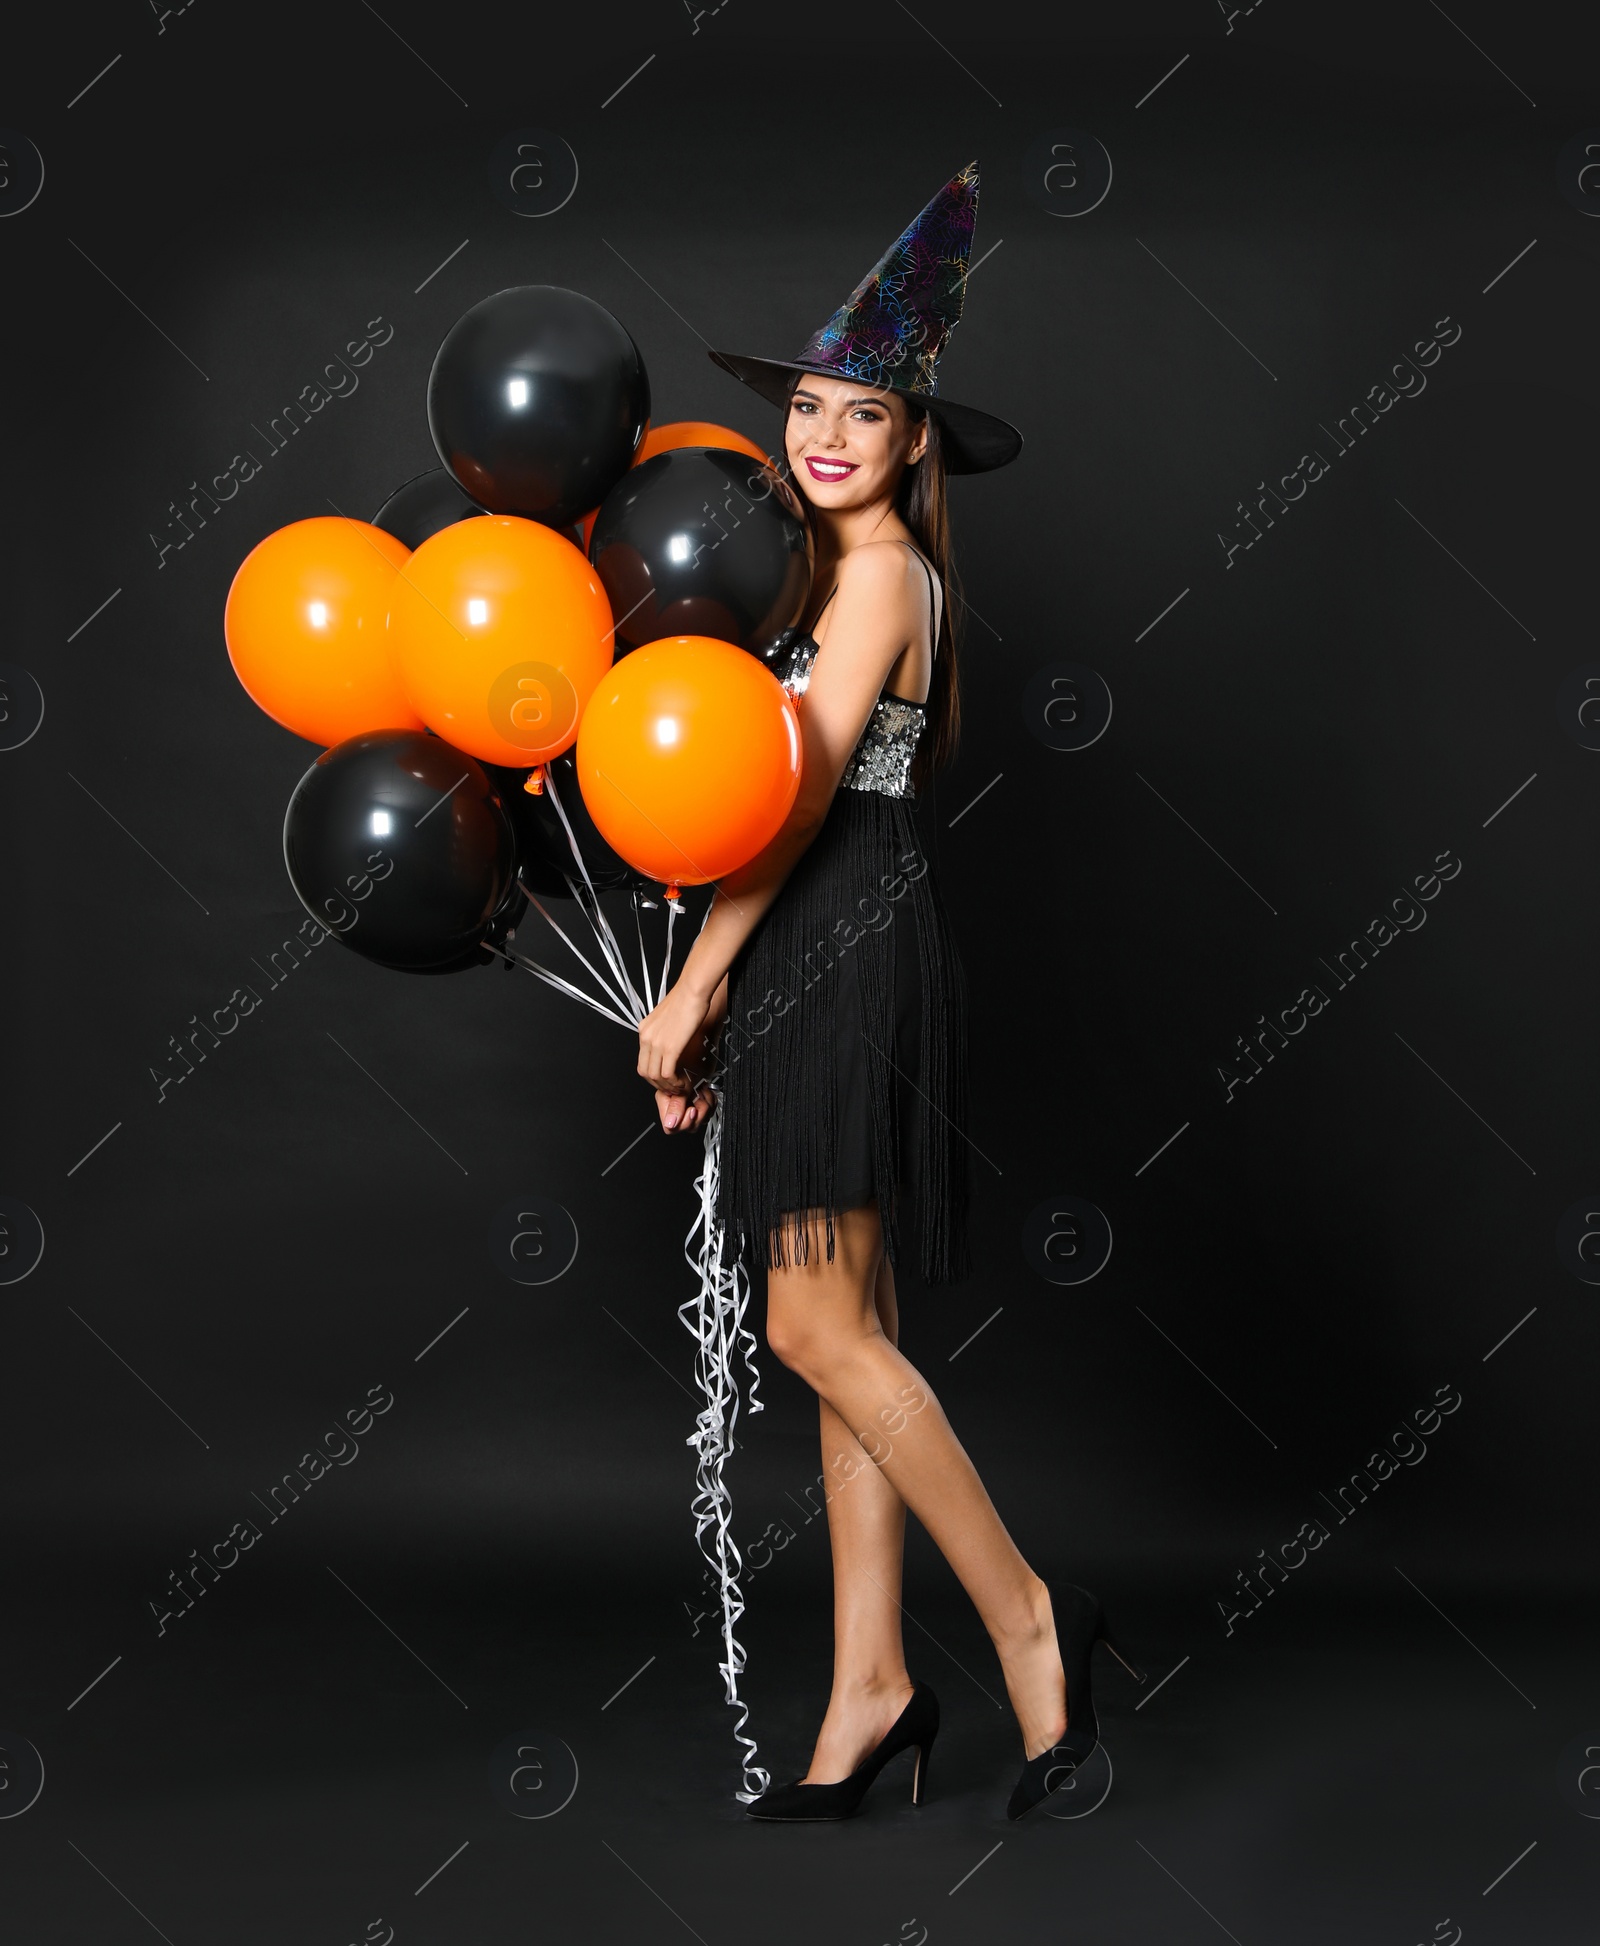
[913,1729]
[919,1774]
[1080,1622]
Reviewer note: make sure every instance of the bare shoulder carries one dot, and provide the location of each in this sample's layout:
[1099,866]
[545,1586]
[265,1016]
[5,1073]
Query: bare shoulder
[881,569]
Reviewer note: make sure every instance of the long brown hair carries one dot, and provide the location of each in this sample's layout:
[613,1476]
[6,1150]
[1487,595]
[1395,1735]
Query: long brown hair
[922,501]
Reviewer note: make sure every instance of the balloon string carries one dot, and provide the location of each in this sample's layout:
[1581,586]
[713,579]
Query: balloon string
[606,985]
[714,1318]
[666,964]
[644,964]
[562,986]
[591,906]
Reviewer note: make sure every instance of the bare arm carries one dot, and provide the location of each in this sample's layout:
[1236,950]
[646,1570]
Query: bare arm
[880,608]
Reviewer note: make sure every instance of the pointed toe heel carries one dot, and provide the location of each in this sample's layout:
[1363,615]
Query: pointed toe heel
[1080,1622]
[913,1729]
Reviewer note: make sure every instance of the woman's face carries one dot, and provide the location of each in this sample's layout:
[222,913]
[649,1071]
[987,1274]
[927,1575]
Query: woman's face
[848,443]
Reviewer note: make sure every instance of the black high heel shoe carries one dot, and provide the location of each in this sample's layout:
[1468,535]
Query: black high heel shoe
[914,1728]
[1080,1622]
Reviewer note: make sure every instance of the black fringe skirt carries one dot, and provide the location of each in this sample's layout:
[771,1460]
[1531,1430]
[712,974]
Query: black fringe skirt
[844,1053]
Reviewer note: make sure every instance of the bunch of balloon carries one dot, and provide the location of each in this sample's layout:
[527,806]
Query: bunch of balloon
[444,653]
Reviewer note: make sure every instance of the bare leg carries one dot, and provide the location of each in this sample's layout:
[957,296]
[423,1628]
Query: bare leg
[866,1531]
[822,1321]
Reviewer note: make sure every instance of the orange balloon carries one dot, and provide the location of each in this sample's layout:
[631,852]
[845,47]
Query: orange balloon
[501,631]
[696,432]
[305,629]
[689,758]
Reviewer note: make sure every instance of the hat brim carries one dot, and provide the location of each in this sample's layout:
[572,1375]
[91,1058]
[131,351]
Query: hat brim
[972,441]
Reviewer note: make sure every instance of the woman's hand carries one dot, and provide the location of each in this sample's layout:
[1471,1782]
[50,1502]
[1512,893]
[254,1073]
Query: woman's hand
[672,1055]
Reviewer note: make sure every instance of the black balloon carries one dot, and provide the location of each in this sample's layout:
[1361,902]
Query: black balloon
[701,541]
[423,506]
[544,847]
[401,846]
[431,502]
[537,402]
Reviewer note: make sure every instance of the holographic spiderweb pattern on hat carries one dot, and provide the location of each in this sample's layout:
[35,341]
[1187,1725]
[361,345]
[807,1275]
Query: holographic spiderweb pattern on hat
[898,319]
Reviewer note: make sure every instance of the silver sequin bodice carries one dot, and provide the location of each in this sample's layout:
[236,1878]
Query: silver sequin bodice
[881,760]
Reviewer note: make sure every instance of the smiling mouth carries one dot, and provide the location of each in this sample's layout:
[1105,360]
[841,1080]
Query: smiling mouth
[829,469]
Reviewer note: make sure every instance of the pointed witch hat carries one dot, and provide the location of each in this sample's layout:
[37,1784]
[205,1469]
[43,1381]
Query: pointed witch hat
[890,331]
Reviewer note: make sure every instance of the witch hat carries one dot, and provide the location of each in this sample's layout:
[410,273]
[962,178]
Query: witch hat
[890,331]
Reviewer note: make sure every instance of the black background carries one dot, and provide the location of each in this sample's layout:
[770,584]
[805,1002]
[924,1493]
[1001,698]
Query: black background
[1290,744]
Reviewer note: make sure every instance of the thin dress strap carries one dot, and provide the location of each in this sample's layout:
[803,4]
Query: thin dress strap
[933,604]
[822,611]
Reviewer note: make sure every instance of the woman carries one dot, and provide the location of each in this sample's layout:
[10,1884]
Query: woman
[828,965]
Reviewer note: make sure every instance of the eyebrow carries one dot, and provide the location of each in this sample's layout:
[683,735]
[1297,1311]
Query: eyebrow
[800,392]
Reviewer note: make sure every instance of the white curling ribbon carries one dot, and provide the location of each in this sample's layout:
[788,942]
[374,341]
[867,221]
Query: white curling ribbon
[714,1318]
[591,903]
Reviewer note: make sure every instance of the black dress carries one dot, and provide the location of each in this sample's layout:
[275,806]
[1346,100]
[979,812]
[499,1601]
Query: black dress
[844,1053]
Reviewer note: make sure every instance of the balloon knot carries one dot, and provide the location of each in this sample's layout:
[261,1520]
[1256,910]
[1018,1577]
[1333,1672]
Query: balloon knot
[533,783]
